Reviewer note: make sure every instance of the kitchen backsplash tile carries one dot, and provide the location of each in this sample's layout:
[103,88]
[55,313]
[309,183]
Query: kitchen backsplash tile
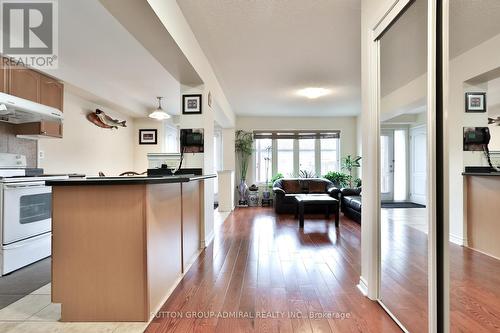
[9,143]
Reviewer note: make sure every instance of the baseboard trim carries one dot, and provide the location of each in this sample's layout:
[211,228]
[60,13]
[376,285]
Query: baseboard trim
[206,242]
[363,286]
[458,240]
[484,253]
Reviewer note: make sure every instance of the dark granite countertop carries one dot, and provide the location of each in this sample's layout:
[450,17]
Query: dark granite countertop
[486,174]
[127,180]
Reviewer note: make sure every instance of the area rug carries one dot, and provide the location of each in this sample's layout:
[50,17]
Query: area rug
[401,205]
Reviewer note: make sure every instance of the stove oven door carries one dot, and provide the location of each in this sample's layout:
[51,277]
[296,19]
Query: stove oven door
[27,210]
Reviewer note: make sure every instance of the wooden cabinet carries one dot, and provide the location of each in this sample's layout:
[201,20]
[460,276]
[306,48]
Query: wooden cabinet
[51,92]
[24,83]
[28,84]
[42,129]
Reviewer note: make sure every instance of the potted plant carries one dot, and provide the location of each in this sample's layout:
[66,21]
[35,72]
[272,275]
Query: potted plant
[349,163]
[266,194]
[277,176]
[339,179]
[243,147]
[306,174]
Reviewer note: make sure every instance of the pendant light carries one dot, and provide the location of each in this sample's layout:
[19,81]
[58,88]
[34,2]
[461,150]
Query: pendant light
[159,114]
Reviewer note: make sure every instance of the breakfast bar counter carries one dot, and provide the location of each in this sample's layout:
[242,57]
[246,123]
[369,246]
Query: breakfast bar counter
[121,244]
[482,197]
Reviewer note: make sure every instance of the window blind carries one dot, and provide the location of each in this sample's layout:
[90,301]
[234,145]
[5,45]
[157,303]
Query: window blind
[306,134]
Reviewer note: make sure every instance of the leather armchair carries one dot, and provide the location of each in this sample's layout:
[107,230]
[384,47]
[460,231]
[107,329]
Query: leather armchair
[350,200]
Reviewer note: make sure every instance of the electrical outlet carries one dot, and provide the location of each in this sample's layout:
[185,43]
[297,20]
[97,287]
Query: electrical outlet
[41,154]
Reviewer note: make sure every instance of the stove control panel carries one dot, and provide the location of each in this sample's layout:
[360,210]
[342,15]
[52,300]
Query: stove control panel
[12,161]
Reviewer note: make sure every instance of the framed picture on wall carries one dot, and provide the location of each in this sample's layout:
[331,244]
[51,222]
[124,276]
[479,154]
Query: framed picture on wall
[148,136]
[191,104]
[475,102]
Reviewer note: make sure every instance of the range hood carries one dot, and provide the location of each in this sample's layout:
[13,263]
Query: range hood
[17,110]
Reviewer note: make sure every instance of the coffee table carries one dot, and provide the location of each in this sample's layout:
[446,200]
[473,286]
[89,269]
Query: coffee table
[330,204]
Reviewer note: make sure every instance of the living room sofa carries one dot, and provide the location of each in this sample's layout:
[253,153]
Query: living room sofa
[286,189]
[350,203]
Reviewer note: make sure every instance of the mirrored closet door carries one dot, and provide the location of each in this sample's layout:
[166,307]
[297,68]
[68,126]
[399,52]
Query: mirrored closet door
[403,149]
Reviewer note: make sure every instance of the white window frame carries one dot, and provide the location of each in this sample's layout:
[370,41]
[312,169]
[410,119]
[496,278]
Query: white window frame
[256,159]
[296,159]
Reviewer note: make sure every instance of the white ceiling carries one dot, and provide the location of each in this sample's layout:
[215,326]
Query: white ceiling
[264,51]
[472,22]
[97,54]
[403,49]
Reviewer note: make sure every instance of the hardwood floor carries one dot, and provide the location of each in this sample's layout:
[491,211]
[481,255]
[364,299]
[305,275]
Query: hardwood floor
[403,288]
[474,277]
[261,265]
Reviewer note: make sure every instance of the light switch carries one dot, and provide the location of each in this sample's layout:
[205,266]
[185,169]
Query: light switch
[41,154]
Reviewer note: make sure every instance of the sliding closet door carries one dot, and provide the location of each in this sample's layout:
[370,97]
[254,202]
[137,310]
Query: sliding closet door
[404,224]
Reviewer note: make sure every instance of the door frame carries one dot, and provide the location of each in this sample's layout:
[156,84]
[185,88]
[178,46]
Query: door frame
[370,284]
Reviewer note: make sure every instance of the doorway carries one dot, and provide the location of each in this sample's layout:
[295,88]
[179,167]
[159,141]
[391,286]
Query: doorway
[418,163]
[394,165]
[387,165]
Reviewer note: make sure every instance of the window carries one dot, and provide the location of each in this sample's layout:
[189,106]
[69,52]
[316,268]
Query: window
[329,155]
[263,150]
[307,156]
[285,157]
[315,152]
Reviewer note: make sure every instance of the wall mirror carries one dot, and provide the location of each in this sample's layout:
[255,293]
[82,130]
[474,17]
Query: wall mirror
[403,167]
[474,249]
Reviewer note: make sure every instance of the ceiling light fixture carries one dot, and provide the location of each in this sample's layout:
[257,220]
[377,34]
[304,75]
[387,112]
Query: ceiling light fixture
[159,114]
[313,93]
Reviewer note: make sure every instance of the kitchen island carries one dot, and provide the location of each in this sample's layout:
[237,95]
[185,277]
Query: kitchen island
[481,200]
[121,244]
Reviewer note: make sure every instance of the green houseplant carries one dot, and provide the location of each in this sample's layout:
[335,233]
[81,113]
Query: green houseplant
[339,179]
[243,146]
[349,163]
[275,178]
[306,174]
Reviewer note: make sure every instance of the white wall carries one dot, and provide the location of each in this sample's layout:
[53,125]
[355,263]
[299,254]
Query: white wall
[347,126]
[141,151]
[204,160]
[86,148]
[407,98]
[174,21]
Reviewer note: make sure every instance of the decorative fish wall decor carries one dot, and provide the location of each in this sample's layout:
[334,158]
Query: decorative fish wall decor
[101,119]
[494,121]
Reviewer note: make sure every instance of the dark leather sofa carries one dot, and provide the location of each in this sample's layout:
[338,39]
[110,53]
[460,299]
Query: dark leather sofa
[285,190]
[350,203]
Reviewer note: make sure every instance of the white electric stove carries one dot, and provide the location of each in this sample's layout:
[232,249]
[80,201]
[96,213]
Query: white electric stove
[25,214]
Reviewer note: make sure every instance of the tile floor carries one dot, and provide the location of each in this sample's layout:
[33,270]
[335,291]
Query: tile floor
[24,281]
[35,313]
